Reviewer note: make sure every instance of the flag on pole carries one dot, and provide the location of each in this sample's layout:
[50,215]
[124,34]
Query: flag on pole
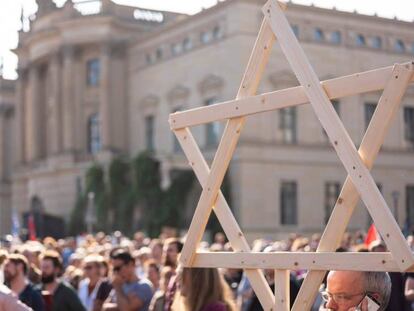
[31,226]
[372,235]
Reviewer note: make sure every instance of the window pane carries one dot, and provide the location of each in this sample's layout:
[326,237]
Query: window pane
[399,46]
[376,42]
[360,40]
[288,124]
[187,44]
[176,48]
[336,37]
[331,195]
[318,34]
[93,72]
[288,203]
[205,36]
[369,112]
[295,29]
[212,128]
[158,54]
[409,125]
[409,192]
[94,134]
[217,32]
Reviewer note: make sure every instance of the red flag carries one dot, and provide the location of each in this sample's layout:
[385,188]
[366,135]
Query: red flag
[31,226]
[372,235]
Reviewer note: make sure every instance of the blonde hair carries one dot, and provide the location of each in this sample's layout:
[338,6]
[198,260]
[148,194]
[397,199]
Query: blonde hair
[203,286]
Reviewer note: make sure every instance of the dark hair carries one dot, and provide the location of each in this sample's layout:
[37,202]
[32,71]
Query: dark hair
[123,255]
[54,257]
[19,259]
[175,241]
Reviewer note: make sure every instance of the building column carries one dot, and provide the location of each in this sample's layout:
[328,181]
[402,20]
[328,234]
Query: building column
[20,117]
[104,97]
[54,107]
[68,98]
[32,116]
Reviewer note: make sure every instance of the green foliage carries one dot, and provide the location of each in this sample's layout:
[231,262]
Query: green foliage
[135,184]
[95,182]
[148,193]
[77,218]
[121,198]
[175,197]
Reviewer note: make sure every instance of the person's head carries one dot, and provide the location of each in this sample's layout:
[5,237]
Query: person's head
[51,266]
[213,288]
[123,264]
[346,289]
[156,249]
[92,266]
[152,271]
[377,246]
[172,247]
[16,266]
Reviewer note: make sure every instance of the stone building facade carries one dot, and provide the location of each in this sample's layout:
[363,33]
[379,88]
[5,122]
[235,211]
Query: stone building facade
[95,85]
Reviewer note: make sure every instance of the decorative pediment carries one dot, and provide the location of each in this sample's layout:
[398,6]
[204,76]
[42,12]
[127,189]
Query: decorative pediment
[178,93]
[283,78]
[211,82]
[149,101]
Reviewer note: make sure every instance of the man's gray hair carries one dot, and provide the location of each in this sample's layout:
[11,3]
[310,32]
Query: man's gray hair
[379,283]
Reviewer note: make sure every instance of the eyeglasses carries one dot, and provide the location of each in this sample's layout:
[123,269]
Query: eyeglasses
[117,268]
[339,298]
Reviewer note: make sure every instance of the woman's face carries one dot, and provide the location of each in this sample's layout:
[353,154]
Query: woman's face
[172,252]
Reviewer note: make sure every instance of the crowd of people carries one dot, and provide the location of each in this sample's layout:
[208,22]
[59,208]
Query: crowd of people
[114,272]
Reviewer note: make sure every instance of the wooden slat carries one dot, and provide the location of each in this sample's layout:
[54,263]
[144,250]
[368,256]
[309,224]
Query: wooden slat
[358,83]
[344,207]
[282,290]
[353,261]
[222,210]
[209,195]
[340,139]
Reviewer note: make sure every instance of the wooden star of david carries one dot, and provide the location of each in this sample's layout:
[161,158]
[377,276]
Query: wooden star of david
[359,182]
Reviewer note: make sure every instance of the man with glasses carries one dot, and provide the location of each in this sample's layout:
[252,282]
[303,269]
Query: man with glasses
[348,290]
[94,284]
[129,292]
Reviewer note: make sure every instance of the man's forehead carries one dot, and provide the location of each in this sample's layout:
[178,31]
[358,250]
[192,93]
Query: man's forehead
[344,281]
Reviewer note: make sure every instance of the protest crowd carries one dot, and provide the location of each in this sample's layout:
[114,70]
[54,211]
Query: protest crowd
[114,272]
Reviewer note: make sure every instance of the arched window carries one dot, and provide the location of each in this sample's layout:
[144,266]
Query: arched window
[399,46]
[360,40]
[93,72]
[295,29]
[336,37]
[205,36]
[158,53]
[217,32]
[187,44]
[94,134]
[212,128]
[376,42]
[318,34]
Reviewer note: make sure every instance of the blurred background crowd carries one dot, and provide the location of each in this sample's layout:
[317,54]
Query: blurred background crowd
[116,272]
